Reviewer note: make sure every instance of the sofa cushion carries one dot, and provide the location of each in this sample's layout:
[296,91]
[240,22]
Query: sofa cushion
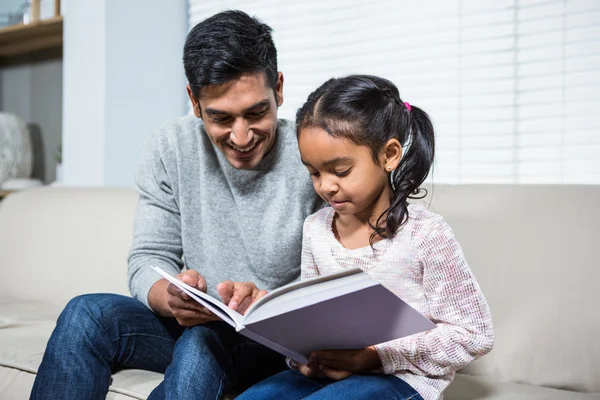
[24,331]
[57,243]
[533,249]
[466,387]
[25,328]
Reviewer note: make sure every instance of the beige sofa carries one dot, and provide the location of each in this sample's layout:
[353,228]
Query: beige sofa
[534,250]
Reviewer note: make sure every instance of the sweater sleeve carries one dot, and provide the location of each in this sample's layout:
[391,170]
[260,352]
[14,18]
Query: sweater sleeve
[457,306]
[308,266]
[157,225]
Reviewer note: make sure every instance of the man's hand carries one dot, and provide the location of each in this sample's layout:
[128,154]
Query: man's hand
[239,295]
[339,364]
[169,301]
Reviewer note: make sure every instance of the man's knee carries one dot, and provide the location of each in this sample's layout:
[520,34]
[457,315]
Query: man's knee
[207,335]
[89,316]
[211,343]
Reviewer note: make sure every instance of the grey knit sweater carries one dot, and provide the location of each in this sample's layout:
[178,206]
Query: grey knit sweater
[243,225]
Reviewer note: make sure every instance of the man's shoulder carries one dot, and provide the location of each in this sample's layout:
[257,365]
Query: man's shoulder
[178,129]
[286,129]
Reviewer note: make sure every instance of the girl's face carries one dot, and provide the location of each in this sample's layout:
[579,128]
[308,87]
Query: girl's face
[344,174]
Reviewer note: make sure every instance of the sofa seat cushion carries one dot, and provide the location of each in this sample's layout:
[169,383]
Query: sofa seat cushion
[467,387]
[24,332]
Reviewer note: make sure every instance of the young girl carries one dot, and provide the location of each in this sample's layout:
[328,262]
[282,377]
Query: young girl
[368,152]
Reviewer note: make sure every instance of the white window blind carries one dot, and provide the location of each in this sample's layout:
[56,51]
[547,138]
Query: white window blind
[512,86]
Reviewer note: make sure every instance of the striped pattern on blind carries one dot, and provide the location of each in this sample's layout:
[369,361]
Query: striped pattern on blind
[512,86]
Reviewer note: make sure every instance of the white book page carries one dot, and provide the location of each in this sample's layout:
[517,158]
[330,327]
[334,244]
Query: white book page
[228,315]
[302,294]
[297,285]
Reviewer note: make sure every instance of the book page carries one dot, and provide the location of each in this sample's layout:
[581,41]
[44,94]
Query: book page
[228,315]
[309,285]
[354,320]
[315,292]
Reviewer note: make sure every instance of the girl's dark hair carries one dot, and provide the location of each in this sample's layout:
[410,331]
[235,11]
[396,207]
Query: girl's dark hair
[368,111]
[225,46]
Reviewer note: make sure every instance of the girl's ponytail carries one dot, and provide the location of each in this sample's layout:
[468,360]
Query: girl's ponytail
[413,169]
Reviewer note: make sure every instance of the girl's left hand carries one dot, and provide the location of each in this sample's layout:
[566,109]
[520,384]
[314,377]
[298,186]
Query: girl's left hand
[339,364]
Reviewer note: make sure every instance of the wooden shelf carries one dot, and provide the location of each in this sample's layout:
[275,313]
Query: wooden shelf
[4,193]
[35,41]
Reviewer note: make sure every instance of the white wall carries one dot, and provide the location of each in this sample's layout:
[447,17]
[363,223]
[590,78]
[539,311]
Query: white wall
[123,77]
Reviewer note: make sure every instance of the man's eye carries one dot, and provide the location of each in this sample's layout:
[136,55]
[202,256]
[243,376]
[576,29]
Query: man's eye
[343,173]
[219,120]
[257,114]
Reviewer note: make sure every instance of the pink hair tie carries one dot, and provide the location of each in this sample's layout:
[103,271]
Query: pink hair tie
[407,104]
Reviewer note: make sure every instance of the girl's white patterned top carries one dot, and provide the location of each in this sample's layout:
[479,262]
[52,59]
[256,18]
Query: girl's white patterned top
[425,266]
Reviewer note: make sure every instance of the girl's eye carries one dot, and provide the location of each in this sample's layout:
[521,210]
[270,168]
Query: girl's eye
[343,173]
[315,174]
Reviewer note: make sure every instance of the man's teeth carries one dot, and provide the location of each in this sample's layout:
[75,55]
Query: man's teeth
[245,149]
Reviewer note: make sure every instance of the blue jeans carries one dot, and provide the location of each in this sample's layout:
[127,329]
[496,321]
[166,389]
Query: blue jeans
[99,334]
[292,385]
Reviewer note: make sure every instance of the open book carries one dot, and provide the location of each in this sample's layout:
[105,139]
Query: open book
[347,310]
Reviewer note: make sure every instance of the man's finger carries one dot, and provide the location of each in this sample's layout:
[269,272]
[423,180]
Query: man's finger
[201,284]
[261,293]
[242,291]
[179,303]
[175,291]
[244,305]
[225,290]
[175,301]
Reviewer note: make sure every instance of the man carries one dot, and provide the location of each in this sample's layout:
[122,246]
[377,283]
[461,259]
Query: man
[225,191]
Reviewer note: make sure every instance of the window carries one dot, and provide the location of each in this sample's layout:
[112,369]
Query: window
[512,86]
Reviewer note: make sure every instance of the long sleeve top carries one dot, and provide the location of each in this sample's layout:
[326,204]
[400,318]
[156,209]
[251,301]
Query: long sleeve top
[228,224]
[425,266]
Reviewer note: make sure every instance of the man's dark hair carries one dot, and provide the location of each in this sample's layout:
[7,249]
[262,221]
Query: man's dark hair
[225,46]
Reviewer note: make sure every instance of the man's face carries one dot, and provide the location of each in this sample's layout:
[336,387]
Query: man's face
[240,117]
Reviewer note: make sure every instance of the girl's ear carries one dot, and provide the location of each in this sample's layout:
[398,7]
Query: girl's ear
[392,154]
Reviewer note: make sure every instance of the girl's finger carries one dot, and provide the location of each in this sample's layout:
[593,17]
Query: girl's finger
[335,374]
[309,370]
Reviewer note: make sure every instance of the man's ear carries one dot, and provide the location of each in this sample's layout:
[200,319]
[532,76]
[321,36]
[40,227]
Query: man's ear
[392,154]
[195,101]
[279,89]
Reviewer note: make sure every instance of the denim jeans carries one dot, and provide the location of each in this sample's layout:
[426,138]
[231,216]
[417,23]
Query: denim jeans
[99,334]
[292,385]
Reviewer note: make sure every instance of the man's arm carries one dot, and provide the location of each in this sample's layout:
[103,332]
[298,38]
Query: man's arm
[157,242]
[157,227]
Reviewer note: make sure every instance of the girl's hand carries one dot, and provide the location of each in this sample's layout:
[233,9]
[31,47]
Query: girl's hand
[310,370]
[346,361]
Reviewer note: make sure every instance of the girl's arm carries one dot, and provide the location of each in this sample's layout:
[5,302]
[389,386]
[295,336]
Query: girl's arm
[464,325]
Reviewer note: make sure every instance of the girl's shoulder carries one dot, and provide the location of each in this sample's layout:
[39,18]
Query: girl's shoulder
[427,226]
[319,219]
[418,213]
